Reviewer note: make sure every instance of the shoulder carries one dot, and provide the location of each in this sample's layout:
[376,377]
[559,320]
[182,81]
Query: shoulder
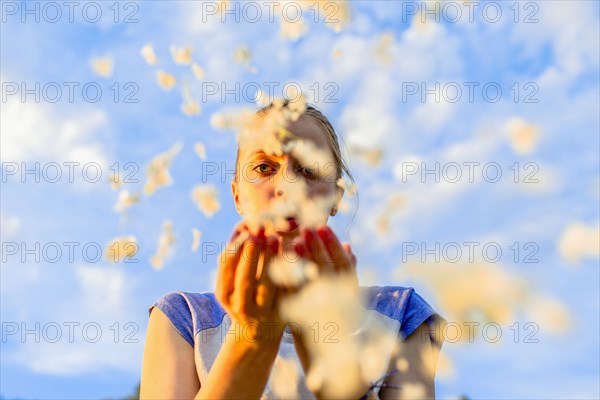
[189,312]
[168,367]
[404,305]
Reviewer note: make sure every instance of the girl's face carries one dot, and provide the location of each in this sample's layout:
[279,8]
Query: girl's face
[289,186]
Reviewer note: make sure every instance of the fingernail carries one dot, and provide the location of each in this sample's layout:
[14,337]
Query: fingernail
[323,233]
[308,235]
[299,249]
[273,245]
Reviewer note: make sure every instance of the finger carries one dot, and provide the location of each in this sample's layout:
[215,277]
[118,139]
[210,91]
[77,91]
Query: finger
[298,246]
[348,249]
[239,228]
[317,251]
[245,275]
[266,289]
[289,257]
[228,261]
[335,250]
[350,253]
[271,251]
[311,269]
[254,227]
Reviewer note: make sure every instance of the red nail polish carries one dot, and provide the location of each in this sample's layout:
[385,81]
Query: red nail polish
[236,233]
[275,246]
[260,235]
[308,236]
[299,249]
[268,247]
[324,234]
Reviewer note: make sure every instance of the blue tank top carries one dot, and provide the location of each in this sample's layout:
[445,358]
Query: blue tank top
[204,324]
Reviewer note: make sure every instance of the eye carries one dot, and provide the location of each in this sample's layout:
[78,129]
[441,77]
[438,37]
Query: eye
[263,168]
[307,171]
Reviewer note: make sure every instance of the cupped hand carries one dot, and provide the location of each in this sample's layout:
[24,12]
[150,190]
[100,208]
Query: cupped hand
[322,247]
[244,288]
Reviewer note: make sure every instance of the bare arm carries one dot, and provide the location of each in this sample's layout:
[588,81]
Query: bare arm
[241,369]
[242,366]
[417,359]
[168,369]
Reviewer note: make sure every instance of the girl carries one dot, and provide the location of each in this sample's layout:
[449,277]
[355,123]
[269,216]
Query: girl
[247,339]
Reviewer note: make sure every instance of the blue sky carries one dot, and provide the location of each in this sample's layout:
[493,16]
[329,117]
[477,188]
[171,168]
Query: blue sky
[554,59]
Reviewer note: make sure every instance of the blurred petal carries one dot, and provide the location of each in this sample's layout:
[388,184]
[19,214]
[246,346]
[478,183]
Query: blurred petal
[207,199]
[126,200]
[200,150]
[196,239]
[121,248]
[148,53]
[522,135]
[165,80]
[181,55]
[292,29]
[190,108]
[198,71]
[103,66]
[579,241]
[157,172]
[166,241]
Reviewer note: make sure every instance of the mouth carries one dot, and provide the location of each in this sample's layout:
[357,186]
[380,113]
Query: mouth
[286,225]
[293,223]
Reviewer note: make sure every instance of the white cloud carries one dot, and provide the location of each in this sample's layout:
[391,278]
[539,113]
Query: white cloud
[90,329]
[216,43]
[377,116]
[10,225]
[432,116]
[534,178]
[425,194]
[34,132]
[474,149]
[571,28]
[102,288]
[369,119]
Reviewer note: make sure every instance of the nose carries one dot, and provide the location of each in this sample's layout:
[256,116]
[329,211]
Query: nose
[280,186]
[284,177]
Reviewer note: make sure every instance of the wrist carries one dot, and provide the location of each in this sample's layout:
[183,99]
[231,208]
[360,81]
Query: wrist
[255,335]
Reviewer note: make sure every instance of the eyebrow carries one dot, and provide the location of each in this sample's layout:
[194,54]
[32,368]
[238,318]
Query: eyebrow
[260,152]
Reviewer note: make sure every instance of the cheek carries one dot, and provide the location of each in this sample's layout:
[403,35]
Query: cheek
[256,195]
[320,189]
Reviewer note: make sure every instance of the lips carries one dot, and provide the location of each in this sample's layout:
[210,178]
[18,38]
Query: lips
[286,225]
[293,223]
